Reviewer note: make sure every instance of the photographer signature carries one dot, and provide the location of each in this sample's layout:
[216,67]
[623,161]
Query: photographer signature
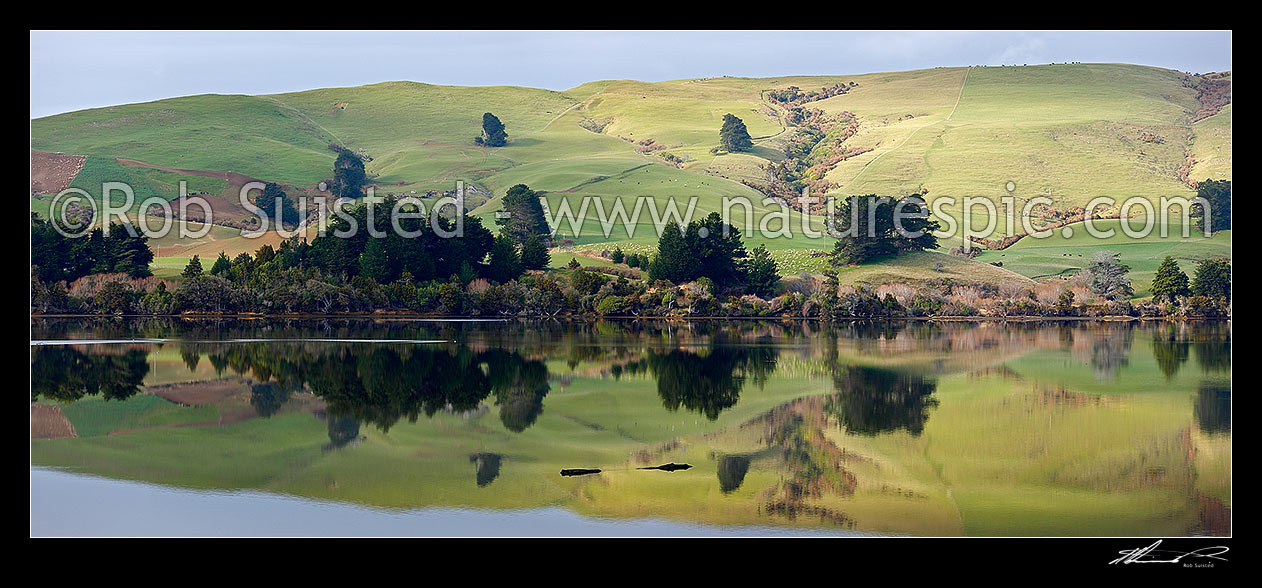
[1151,554]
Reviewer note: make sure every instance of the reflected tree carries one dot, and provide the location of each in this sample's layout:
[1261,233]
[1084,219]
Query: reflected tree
[342,430]
[1170,351]
[65,374]
[190,357]
[1110,351]
[1213,353]
[519,386]
[488,467]
[732,470]
[383,386]
[268,398]
[871,401]
[709,383]
[1213,408]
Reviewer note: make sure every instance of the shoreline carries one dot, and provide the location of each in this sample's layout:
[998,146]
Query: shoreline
[402,316]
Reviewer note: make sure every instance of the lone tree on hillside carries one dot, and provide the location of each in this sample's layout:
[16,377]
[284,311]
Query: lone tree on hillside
[348,175]
[1170,281]
[523,216]
[493,134]
[272,197]
[733,136]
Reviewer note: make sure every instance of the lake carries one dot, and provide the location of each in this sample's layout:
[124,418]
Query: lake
[388,427]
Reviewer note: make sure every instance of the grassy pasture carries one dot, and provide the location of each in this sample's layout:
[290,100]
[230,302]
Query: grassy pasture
[1211,148]
[1039,127]
[252,135]
[1057,255]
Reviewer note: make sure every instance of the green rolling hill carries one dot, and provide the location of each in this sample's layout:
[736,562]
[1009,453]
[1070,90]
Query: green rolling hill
[1069,132]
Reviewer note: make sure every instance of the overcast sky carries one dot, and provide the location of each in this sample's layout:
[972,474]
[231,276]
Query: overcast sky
[77,70]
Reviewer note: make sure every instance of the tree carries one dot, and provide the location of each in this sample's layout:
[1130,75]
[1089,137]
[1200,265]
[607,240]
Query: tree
[271,197]
[426,255]
[193,269]
[221,266]
[733,136]
[374,263]
[719,250]
[349,176]
[533,254]
[493,133]
[882,226]
[707,248]
[1108,276]
[1170,281]
[671,262]
[1213,279]
[504,264]
[524,216]
[265,254]
[617,256]
[763,276]
[59,257]
[1218,194]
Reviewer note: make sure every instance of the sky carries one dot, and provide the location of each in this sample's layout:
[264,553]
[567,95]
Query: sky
[74,70]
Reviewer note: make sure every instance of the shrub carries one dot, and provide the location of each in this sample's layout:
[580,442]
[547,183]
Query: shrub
[450,298]
[205,293]
[586,282]
[610,305]
[113,298]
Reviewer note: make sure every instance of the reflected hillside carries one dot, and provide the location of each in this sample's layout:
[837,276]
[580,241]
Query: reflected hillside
[899,427]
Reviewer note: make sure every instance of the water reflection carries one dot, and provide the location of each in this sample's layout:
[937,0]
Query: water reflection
[1213,408]
[1170,350]
[67,374]
[267,398]
[342,431]
[707,382]
[488,467]
[906,427]
[874,401]
[732,470]
[1172,344]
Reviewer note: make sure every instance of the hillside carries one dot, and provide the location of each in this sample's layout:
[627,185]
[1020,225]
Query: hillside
[1069,132]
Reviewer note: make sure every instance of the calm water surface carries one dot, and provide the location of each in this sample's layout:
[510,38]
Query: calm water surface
[453,428]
